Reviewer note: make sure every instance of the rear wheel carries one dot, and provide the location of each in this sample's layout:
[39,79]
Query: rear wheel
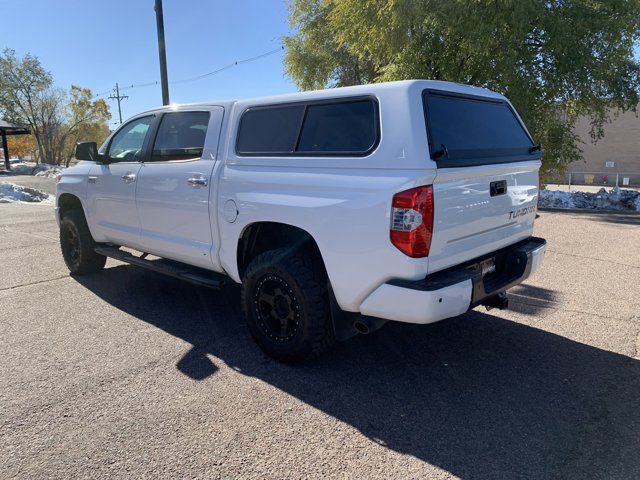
[285,301]
[77,245]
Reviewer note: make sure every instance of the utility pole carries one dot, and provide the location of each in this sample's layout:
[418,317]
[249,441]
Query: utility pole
[5,149]
[162,53]
[119,97]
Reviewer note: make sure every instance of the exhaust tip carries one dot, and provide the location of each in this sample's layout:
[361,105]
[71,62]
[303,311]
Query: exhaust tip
[362,327]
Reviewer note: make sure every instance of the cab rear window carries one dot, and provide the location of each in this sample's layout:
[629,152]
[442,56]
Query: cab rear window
[465,131]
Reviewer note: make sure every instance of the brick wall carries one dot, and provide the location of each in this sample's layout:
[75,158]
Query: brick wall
[621,144]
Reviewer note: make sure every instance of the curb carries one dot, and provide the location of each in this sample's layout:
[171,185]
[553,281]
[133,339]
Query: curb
[592,211]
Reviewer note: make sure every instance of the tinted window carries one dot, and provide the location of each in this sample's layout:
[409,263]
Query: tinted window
[180,136]
[127,144]
[270,130]
[339,127]
[347,127]
[469,127]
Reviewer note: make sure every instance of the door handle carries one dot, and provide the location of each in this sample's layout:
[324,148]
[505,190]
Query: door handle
[129,177]
[198,182]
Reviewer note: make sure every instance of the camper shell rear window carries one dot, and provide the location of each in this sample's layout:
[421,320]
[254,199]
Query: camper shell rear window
[465,130]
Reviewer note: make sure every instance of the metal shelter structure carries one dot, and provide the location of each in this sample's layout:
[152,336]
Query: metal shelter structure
[7,129]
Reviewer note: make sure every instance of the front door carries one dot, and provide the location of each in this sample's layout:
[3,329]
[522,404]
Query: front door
[111,185]
[174,186]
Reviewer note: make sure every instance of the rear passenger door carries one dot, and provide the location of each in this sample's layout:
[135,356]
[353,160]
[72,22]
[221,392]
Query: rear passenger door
[174,192]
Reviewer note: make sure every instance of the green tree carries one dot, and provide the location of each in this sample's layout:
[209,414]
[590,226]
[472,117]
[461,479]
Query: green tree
[86,120]
[556,60]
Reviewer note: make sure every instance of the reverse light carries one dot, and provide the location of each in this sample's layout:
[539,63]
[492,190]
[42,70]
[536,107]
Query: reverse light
[412,221]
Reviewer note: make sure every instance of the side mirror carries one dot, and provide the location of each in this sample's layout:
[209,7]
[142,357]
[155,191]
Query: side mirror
[87,151]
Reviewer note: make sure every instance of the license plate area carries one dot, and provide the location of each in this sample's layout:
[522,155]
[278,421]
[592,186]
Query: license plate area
[511,265]
[487,266]
[505,268]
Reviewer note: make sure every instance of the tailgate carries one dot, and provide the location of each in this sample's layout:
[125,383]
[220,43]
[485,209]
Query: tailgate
[481,209]
[486,187]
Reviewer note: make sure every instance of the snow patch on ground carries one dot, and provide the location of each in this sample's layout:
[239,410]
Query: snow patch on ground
[39,170]
[52,171]
[556,199]
[10,193]
[614,199]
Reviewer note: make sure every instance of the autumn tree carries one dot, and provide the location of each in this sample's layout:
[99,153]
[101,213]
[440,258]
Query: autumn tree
[23,145]
[23,87]
[57,118]
[556,60]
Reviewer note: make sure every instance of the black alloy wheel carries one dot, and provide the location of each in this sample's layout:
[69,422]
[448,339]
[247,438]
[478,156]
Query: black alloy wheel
[286,304]
[277,308]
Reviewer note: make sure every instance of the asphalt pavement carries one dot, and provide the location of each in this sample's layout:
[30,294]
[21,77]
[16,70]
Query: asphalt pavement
[127,373]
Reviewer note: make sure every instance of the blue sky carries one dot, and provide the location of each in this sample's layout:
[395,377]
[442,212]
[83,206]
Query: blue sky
[94,43]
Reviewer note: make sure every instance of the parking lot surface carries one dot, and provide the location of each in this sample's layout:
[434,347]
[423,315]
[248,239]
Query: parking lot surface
[127,373]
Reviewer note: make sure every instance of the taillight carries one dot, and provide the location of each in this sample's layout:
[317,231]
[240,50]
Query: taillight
[412,221]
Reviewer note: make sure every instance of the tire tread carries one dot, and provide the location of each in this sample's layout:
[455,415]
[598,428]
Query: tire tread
[90,261]
[309,274]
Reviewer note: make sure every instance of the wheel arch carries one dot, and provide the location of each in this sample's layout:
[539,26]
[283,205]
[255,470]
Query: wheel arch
[67,201]
[259,237]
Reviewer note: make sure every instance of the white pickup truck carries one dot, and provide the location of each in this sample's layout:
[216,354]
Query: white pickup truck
[336,210]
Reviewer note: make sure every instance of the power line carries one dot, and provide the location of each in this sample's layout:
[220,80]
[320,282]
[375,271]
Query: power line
[104,93]
[148,84]
[230,65]
[204,75]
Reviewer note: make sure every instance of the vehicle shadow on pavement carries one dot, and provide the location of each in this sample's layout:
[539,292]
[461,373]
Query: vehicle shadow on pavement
[617,218]
[531,299]
[478,396]
[603,216]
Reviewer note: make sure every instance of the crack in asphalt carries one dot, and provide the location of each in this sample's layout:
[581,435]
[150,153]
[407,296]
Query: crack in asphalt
[89,386]
[34,283]
[104,383]
[19,221]
[594,258]
[559,307]
[37,235]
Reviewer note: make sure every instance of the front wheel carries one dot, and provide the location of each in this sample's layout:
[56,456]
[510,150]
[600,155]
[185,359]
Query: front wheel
[285,301]
[77,245]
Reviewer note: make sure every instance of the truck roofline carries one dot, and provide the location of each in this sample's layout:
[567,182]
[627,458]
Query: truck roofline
[368,89]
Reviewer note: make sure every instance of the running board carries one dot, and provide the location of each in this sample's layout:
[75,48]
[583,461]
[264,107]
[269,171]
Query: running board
[198,276]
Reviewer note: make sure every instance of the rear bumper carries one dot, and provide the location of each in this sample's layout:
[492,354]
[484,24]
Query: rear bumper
[454,291]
